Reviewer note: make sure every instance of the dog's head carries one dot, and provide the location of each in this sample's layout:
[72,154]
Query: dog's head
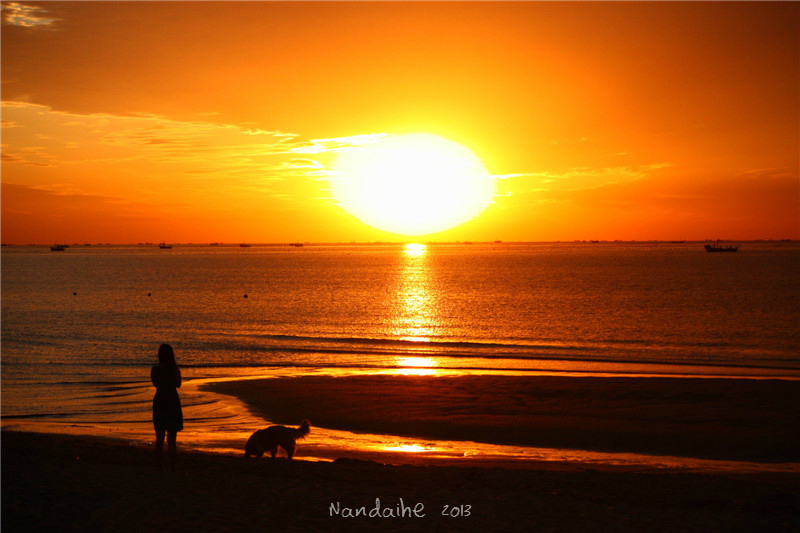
[253,447]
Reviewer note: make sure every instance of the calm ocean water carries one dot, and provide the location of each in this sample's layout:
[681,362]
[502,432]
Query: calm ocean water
[80,328]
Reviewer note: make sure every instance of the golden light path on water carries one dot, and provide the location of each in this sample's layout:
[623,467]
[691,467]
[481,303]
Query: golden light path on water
[416,313]
[416,307]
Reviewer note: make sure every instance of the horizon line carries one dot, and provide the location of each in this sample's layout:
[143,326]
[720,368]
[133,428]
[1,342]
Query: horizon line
[400,242]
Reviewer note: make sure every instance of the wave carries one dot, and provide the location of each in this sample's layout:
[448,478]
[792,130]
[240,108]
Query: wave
[290,344]
[36,415]
[528,346]
[219,349]
[606,351]
[679,367]
[381,341]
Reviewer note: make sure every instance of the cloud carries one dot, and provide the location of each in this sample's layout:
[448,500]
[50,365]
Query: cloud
[27,16]
[47,136]
[29,155]
[38,200]
[581,178]
[157,159]
[338,144]
[11,158]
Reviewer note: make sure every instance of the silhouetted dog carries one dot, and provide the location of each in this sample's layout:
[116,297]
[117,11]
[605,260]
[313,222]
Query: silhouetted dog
[270,438]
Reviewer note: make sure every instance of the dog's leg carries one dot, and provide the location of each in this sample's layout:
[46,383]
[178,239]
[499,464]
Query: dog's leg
[290,451]
[273,451]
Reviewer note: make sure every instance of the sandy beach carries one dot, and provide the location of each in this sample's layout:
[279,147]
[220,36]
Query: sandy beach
[78,483]
[69,483]
[722,419]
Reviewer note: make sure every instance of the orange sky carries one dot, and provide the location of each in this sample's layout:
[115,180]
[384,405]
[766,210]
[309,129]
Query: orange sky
[204,121]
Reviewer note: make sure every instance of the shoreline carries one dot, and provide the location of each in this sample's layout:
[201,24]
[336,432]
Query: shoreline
[640,423]
[704,418]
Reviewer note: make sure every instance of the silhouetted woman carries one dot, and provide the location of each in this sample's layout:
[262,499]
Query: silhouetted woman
[167,413]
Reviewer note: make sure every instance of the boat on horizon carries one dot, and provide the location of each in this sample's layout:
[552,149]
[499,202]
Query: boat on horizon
[58,248]
[720,248]
[165,246]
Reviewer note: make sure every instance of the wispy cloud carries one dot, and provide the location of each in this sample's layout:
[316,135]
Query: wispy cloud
[338,144]
[35,200]
[580,178]
[25,15]
[158,139]
[139,156]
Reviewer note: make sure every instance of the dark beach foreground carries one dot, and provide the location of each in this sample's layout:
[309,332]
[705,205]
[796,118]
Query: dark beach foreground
[718,419]
[69,483]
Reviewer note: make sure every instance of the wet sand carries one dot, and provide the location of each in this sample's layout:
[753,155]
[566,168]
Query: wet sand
[78,483]
[71,483]
[723,419]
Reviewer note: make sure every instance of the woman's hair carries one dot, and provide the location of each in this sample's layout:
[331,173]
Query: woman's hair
[166,356]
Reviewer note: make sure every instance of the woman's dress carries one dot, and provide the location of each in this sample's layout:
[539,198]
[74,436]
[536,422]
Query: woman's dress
[167,413]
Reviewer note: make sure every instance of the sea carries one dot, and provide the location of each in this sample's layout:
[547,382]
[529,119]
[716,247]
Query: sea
[81,327]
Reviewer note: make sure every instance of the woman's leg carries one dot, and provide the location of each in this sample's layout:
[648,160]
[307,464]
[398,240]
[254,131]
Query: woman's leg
[159,446]
[172,437]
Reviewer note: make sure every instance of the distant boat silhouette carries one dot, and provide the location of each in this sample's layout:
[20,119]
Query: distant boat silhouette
[719,248]
[244,245]
[58,248]
[165,246]
[296,244]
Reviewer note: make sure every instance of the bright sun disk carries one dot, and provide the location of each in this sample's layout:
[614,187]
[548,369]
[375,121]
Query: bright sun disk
[412,184]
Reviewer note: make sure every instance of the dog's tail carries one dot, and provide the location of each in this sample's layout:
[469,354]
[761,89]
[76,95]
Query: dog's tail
[303,430]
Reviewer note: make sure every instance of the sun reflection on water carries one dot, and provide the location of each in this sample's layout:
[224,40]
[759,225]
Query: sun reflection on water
[414,249]
[416,366]
[415,314]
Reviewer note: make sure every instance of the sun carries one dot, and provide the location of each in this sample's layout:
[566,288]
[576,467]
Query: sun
[412,184]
